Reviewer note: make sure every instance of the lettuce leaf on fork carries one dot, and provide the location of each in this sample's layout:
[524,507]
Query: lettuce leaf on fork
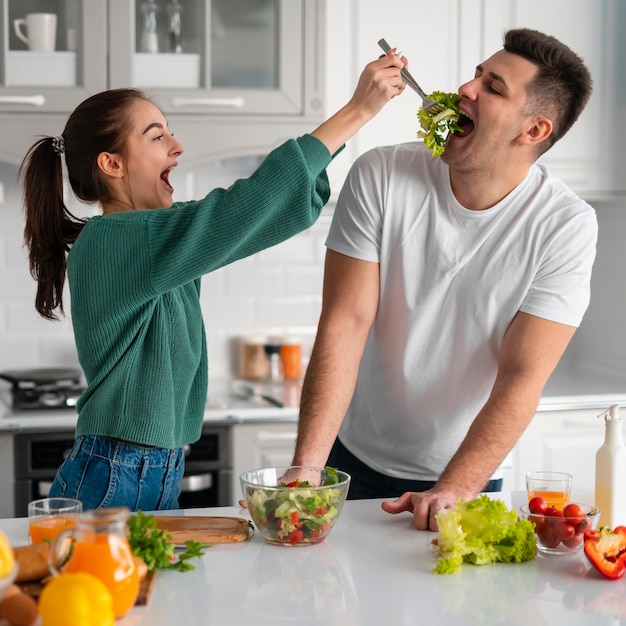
[435,127]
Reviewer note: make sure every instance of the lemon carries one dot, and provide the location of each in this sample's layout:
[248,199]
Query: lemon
[6,556]
[76,599]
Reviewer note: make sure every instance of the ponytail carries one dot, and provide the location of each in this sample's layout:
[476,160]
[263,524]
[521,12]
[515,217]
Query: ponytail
[50,228]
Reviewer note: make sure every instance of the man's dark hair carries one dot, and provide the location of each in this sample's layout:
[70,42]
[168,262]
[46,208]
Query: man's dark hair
[562,85]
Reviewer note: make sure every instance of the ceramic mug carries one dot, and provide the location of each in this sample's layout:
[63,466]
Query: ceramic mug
[41,29]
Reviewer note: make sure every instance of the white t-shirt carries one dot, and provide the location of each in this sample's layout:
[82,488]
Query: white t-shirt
[451,281]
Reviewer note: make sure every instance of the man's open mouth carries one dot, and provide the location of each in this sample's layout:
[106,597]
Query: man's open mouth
[466,123]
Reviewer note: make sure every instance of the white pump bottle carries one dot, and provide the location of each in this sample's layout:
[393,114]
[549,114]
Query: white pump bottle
[611,471]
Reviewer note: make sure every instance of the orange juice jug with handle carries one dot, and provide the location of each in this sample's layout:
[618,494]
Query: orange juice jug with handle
[99,545]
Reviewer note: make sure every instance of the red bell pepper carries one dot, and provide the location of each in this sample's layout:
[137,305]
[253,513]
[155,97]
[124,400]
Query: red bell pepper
[606,550]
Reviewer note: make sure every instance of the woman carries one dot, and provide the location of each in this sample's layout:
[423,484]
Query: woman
[134,273]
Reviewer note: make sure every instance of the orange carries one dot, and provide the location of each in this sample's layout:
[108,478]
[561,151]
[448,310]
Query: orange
[7,558]
[78,599]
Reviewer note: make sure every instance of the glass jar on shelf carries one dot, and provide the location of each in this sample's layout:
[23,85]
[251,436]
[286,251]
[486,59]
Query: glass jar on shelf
[149,33]
[174,38]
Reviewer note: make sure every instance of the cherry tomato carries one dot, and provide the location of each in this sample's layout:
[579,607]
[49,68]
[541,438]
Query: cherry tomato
[539,521]
[574,542]
[582,526]
[295,536]
[574,510]
[564,530]
[538,505]
[552,511]
[548,537]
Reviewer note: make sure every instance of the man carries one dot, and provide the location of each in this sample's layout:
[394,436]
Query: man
[452,288]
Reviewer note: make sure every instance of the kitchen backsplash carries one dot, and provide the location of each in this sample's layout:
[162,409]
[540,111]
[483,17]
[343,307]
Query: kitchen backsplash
[277,291]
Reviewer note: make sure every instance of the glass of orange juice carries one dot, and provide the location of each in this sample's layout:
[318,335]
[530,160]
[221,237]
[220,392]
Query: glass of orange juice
[554,487]
[50,516]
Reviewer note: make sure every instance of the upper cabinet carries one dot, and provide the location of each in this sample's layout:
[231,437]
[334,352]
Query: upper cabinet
[211,56]
[219,56]
[53,53]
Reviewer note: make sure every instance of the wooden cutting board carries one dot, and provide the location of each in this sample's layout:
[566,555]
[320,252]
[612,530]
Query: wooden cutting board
[207,529]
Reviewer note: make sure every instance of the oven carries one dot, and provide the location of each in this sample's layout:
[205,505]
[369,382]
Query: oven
[206,482]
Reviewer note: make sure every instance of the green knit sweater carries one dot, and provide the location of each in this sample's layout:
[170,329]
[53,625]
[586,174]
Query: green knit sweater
[135,282]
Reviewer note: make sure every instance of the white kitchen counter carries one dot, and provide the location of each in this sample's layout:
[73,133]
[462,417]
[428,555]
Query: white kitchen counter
[373,569]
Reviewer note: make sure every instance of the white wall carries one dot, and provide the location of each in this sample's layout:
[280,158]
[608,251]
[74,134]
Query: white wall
[600,342]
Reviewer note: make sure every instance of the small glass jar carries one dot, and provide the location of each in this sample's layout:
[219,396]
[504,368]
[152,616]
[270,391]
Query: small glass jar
[253,363]
[275,372]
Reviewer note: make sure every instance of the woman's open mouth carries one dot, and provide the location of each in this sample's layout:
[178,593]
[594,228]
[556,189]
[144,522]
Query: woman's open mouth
[165,177]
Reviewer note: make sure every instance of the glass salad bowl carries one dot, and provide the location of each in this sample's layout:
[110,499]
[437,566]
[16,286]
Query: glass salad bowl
[294,506]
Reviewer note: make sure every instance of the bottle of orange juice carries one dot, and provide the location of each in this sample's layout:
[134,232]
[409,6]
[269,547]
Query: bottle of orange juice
[100,547]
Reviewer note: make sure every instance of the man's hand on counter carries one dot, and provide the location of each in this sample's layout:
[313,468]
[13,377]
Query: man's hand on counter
[424,506]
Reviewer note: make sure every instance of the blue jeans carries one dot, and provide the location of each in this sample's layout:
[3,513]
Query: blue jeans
[104,472]
[368,483]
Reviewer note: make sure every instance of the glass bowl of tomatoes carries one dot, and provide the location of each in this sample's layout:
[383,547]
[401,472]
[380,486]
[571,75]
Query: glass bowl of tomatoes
[294,505]
[560,531]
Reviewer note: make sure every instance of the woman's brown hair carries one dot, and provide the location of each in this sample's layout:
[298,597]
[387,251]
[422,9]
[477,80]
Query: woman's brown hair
[99,124]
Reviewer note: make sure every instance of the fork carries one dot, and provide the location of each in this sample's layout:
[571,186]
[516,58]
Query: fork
[428,104]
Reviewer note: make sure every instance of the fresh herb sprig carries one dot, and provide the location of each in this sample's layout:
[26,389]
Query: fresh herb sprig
[154,547]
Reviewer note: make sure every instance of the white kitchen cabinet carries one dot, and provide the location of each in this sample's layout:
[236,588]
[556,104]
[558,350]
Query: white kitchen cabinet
[560,441]
[257,445]
[243,57]
[53,81]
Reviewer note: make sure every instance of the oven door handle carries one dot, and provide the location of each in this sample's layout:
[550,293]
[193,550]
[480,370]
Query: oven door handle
[196,482]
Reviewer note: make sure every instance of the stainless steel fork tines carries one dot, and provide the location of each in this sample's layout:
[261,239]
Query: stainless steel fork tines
[428,104]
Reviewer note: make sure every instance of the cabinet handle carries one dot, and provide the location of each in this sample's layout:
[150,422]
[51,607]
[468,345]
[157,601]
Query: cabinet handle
[267,436]
[37,101]
[196,482]
[235,103]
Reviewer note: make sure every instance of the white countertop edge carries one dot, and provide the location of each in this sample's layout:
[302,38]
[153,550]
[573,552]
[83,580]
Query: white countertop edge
[63,420]
[571,402]
[66,419]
